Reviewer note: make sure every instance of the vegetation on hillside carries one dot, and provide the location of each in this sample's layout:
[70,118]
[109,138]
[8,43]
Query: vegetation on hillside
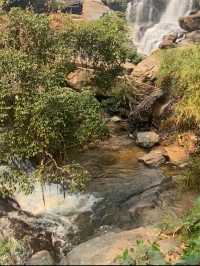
[180,73]
[41,118]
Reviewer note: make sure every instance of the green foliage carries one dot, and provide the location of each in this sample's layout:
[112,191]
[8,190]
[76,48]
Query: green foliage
[102,44]
[42,118]
[191,226]
[55,121]
[12,180]
[134,57]
[12,252]
[122,99]
[125,258]
[142,254]
[192,173]
[191,255]
[180,73]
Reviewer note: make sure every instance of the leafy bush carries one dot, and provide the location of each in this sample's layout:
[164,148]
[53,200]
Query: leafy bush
[122,99]
[134,57]
[191,229]
[142,254]
[102,45]
[180,73]
[192,173]
[12,252]
[42,118]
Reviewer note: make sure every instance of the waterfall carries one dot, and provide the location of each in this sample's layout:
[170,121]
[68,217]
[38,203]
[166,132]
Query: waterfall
[155,18]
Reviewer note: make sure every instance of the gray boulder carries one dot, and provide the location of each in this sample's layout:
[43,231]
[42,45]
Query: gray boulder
[147,139]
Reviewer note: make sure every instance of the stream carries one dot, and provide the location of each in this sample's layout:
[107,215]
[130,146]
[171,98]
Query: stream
[120,188]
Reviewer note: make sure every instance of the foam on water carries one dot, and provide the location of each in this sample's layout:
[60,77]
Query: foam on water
[50,199]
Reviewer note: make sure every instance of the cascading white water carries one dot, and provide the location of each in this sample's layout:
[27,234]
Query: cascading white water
[148,31]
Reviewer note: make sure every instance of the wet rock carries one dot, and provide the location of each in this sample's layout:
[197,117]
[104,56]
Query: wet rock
[21,225]
[147,139]
[42,257]
[105,249]
[115,119]
[168,41]
[147,69]
[154,159]
[192,37]
[191,22]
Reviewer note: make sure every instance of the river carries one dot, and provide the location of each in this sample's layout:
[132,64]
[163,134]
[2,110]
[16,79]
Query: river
[120,187]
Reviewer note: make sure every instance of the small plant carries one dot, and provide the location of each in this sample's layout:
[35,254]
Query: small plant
[143,254]
[134,57]
[192,174]
[125,258]
[12,252]
[191,234]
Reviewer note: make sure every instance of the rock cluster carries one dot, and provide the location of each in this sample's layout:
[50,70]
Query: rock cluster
[191,25]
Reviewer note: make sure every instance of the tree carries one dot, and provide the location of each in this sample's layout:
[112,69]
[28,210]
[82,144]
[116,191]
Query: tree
[41,117]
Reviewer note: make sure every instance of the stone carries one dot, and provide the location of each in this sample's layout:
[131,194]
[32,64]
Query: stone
[93,10]
[191,37]
[168,41]
[115,119]
[154,158]
[104,250]
[177,155]
[80,78]
[191,22]
[147,69]
[147,139]
[42,257]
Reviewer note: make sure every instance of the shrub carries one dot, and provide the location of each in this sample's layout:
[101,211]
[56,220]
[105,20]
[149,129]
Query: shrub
[102,45]
[54,122]
[41,118]
[191,233]
[192,174]
[134,57]
[12,252]
[122,99]
[143,254]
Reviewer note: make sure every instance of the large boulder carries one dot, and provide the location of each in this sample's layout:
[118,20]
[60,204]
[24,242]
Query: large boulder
[104,250]
[191,22]
[80,78]
[147,69]
[42,257]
